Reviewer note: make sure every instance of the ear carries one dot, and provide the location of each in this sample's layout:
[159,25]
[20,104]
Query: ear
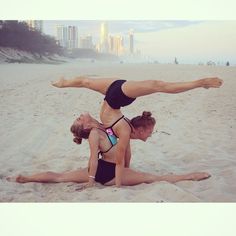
[87,126]
[140,130]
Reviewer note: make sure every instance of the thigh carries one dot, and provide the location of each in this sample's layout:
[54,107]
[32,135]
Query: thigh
[79,176]
[131,177]
[136,89]
[100,84]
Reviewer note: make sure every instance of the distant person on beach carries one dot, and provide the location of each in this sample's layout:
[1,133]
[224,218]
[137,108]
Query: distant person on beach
[119,93]
[102,162]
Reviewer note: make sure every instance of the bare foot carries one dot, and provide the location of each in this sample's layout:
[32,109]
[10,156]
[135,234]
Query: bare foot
[197,176]
[213,82]
[60,83]
[21,179]
[18,179]
[11,178]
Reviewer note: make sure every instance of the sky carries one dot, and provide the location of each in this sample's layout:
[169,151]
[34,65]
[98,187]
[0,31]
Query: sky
[188,41]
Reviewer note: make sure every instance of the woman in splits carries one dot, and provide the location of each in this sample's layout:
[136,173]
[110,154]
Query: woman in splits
[119,93]
[104,144]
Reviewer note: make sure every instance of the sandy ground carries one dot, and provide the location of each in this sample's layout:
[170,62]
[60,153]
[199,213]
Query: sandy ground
[196,133]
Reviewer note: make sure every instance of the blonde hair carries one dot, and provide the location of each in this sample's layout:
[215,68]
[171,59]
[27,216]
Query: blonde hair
[79,133]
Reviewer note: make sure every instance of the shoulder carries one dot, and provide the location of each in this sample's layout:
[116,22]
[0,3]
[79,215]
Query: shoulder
[94,135]
[123,127]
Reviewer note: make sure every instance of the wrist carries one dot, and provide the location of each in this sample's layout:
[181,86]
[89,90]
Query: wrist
[91,179]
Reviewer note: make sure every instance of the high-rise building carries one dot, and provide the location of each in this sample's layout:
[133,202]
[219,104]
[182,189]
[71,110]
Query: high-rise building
[67,36]
[86,42]
[131,42]
[72,37]
[104,37]
[116,45]
[35,25]
[111,44]
[62,35]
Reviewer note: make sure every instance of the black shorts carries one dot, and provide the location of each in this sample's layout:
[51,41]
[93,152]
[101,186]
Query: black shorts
[105,171]
[115,96]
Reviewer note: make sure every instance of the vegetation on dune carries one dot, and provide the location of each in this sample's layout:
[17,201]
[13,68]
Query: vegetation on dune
[18,35]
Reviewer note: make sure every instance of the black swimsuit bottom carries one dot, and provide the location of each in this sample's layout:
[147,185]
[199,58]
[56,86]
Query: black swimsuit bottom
[115,96]
[105,171]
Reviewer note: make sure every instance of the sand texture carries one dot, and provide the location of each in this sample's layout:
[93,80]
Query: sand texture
[196,132]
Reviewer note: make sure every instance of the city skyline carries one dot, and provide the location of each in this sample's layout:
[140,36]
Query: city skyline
[189,41]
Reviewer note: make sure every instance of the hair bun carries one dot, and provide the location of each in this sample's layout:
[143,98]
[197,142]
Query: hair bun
[77,140]
[146,114]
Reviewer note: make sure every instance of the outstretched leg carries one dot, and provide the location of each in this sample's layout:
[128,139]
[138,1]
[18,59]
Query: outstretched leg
[136,89]
[131,177]
[99,84]
[78,176]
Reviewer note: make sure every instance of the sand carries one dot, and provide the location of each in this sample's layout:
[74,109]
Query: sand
[196,132]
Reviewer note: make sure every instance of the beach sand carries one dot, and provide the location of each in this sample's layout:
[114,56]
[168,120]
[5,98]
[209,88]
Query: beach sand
[196,132]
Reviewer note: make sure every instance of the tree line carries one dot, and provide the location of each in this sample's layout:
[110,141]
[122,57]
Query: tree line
[18,35]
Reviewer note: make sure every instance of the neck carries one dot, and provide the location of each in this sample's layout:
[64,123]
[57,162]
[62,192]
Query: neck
[95,124]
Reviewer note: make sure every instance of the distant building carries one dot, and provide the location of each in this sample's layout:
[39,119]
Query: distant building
[131,42]
[67,36]
[72,37]
[111,44]
[86,42]
[116,45]
[104,46]
[35,25]
[62,35]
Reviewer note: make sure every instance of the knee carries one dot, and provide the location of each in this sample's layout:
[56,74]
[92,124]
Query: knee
[149,178]
[157,84]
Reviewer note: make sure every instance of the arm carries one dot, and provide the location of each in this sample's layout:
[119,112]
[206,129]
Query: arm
[127,156]
[179,87]
[122,144]
[93,160]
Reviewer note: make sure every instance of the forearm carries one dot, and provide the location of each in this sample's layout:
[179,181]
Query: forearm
[118,174]
[119,167]
[127,161]
[92,170]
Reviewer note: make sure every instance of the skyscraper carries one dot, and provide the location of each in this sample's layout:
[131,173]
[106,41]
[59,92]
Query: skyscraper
[86,42]
[72,37]
[62,35]
[67,36]
[116,45]
[131,42]
[104,37]
[35,25]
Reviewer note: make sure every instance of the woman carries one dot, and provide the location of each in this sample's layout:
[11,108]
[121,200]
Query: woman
[103,170]
[120,93]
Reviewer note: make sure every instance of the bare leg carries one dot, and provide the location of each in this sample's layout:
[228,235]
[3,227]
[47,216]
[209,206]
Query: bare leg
[99,84]
[131,177]
[78,176]
[136,89]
